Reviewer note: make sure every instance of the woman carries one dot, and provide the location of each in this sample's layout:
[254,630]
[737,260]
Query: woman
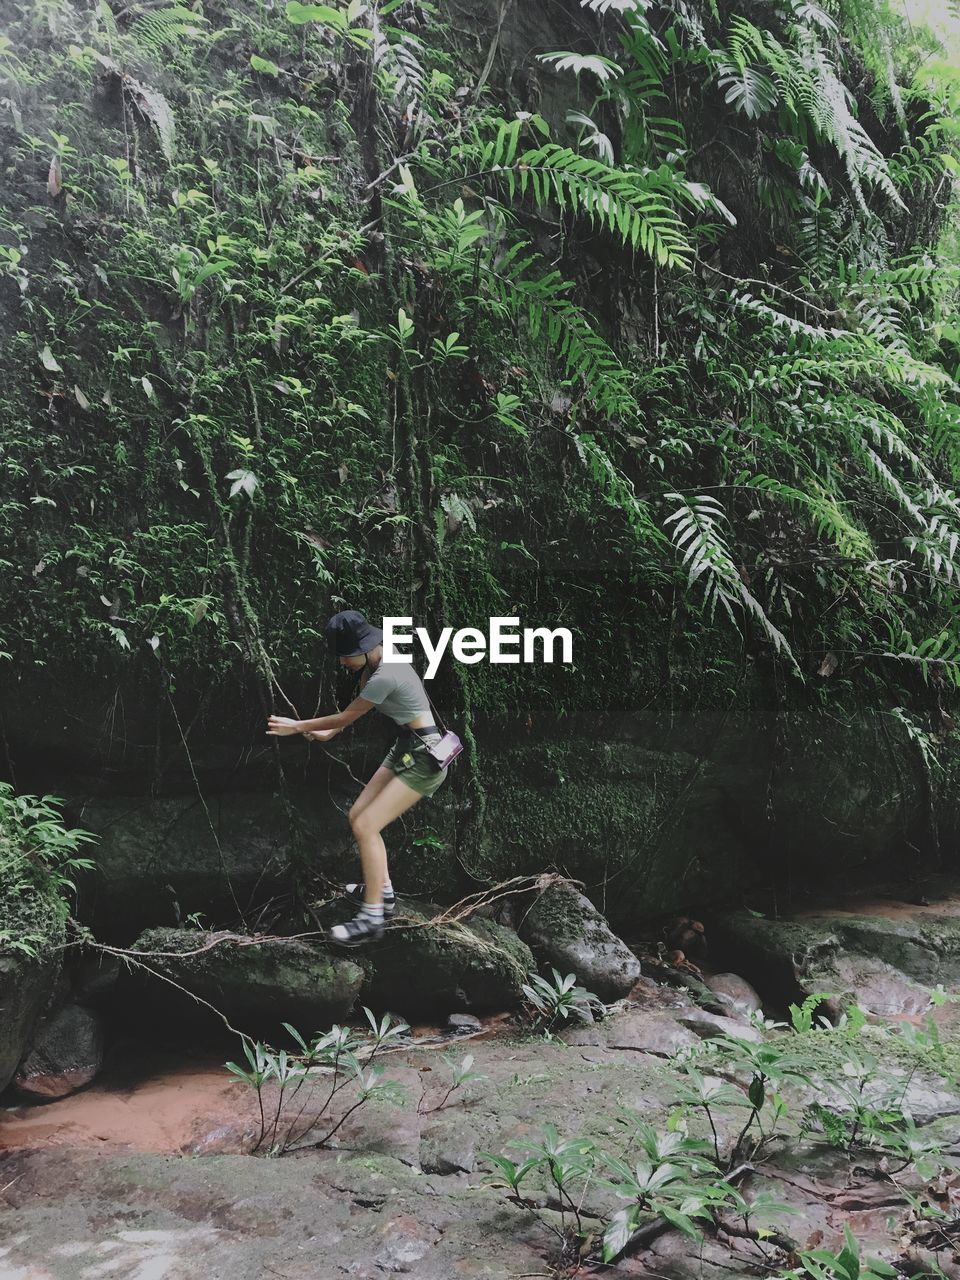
[407,772]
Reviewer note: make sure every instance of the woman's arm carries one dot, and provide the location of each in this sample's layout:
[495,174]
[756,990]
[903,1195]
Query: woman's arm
[282,726]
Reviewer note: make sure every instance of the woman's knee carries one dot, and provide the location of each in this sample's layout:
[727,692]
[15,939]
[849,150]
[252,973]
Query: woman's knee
[360,824]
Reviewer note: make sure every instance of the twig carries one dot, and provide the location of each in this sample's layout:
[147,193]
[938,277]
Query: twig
[492,53]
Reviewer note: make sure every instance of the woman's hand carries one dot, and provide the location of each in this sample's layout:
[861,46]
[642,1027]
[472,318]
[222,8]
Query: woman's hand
[322,735]
[282,726]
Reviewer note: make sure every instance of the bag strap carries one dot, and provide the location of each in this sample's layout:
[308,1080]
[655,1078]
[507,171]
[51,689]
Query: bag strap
[433,708]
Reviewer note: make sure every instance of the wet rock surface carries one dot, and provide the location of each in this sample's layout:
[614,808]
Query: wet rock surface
[448,1146]
[565,930]
[26,986]
[255,984]
[66,1055]
[734,994]
[424,967]
[111,1180]
[886,965]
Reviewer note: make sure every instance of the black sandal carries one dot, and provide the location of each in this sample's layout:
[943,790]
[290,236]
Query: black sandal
[355,932]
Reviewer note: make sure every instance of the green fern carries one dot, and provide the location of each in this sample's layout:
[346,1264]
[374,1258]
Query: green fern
[826,515]
[625,202]
[514,279]
[617,488]
[805,80]
[698,538]
[159,31]
[397,54]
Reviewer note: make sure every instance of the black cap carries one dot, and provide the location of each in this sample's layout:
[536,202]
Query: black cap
[350,635]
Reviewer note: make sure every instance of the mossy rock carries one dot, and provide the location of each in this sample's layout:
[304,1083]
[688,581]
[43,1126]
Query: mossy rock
[31,917]
[257,986]
[26,986]
[566,930]
[884,965]
[422,969]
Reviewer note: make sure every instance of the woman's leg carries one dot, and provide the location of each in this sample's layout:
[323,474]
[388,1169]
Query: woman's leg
[370,791]
[366,796]
[389,801]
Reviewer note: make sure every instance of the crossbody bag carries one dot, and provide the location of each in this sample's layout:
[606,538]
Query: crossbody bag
[444,752]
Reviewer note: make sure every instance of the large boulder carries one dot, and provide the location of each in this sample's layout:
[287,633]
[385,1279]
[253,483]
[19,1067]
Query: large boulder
[32,933]
[257,985]
[27,983]
[564,929]
[66,1054]
[886,966]
[424,969]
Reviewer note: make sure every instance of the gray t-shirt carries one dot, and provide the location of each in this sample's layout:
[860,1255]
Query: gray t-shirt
[397,691]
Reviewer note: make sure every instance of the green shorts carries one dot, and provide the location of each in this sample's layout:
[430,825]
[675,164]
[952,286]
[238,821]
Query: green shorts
[409,760]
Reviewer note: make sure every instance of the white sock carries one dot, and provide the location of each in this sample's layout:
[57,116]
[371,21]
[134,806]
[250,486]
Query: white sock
[388,887]
[372,912]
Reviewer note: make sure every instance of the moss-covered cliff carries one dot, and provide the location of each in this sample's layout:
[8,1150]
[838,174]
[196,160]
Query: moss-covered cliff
[390,307]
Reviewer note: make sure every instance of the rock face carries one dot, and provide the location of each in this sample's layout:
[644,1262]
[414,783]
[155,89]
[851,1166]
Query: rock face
[637,1031]
[886,966]
[66,1054]
[709,1025]
[256,985]
[423,970]
[26,985]
[448,1145]
[564,929]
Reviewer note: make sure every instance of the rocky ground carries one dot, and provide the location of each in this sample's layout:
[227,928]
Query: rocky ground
[147,1174]
[148,1183]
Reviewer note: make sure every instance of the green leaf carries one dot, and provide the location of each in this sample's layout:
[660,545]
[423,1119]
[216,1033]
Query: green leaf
[264,65]
[617,1235]
[323,13]
[757,1092]
[603,68]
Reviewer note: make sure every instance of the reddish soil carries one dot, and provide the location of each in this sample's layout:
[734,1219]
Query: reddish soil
[189,1110]
[154,1102]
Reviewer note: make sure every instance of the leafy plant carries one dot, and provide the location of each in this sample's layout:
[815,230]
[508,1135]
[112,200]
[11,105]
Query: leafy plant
[40,858]
[462,1076]
[847,1264]
[556,999]
[668,1181]
[802,1015]
[295,1092]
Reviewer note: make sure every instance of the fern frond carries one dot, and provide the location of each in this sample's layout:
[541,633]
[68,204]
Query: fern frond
[603,68]
[748,90]
[617,488]
[698,539]
[148,102]
[158,31]
[828,106]
[826,516]
[626,202]
[613,6]
[808,83]
[936,653]
[396,55]
[515,281]
[890,480]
